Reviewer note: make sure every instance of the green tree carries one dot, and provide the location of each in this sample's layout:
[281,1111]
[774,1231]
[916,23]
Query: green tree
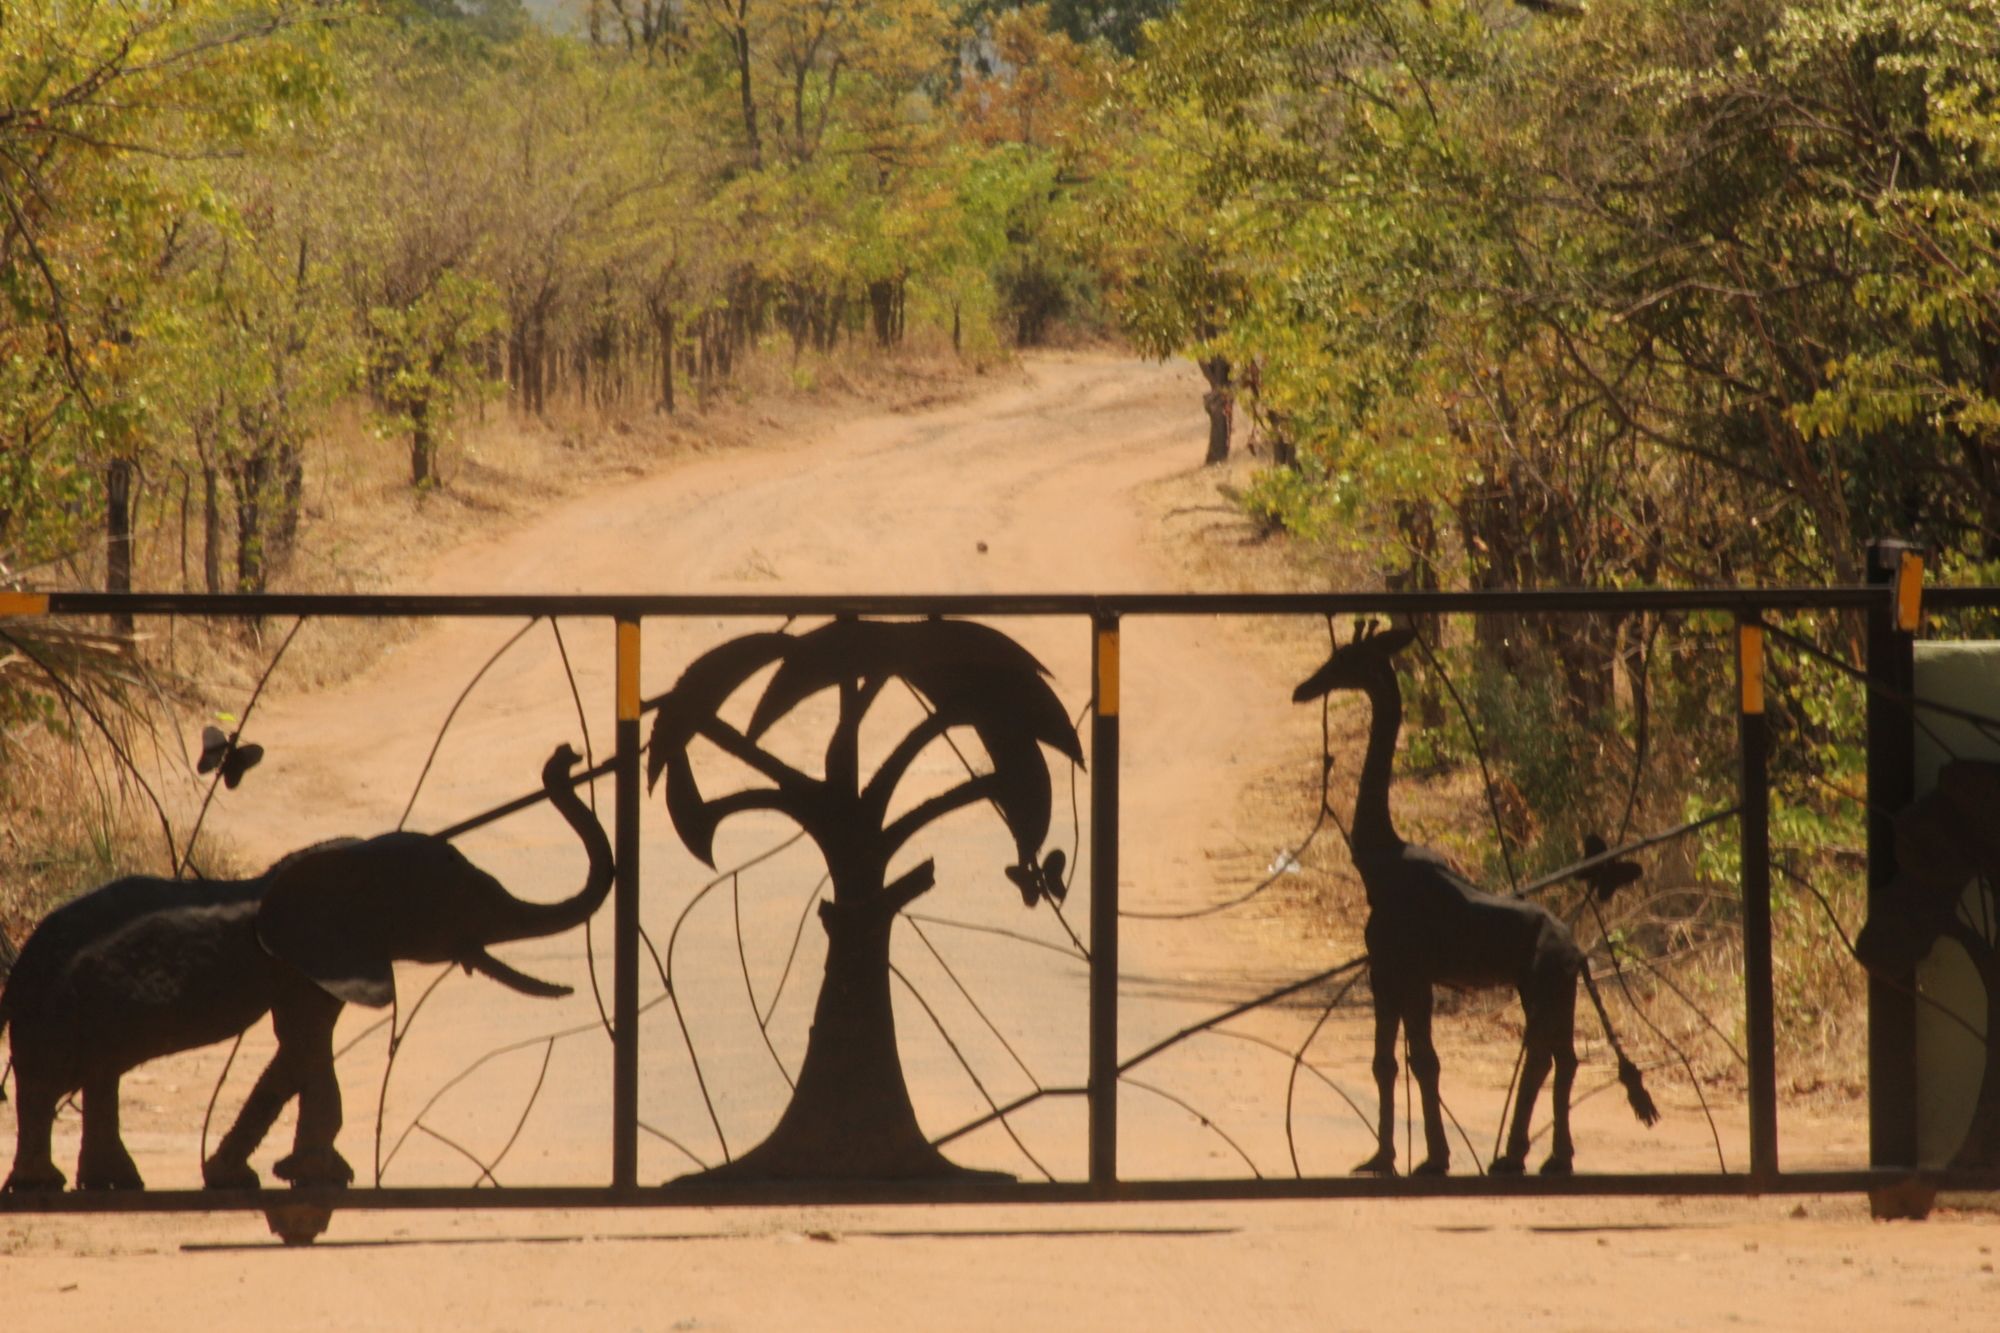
[417,200]
[100,110]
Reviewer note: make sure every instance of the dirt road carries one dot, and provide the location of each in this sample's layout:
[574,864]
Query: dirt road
[1053,481]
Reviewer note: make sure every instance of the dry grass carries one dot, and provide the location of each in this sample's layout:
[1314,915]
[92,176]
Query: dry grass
[70,822]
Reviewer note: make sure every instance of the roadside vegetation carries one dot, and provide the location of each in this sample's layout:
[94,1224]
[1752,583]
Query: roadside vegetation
[1605,295]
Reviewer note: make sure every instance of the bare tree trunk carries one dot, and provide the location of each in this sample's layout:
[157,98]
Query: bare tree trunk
[800,321]
[1491,538]
[291,497]
[1418,530]
[882,309]
[705,371]
[665,323]
[118,476]
[1220,404]
[423,449]
[252,476]
[211,531]
[739,39]
[187,500]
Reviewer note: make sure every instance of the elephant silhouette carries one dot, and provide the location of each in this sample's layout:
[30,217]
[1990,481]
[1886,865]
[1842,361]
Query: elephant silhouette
[143,967]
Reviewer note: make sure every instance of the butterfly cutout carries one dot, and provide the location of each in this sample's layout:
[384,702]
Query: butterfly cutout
[1043,881]
[233,757]
[1610,877]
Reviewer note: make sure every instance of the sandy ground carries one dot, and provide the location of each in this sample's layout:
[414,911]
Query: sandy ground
[1057,481]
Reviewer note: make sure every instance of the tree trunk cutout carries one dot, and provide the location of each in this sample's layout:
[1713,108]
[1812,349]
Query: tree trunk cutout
[850,1118]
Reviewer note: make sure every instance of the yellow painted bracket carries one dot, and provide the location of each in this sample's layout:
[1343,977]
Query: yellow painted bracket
[1107,671]
[1910,592]
[1750,664]
[24,603]
[628,671]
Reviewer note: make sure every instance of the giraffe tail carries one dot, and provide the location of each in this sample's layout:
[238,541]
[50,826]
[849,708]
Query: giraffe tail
[1641,1101]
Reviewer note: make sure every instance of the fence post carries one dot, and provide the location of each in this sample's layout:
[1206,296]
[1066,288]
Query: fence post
[625,920]
[1753,732]
[1892,763]
[1104,902]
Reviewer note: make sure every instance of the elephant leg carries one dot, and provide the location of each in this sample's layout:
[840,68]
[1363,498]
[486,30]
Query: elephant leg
[102,1163]
[1387,1020]
[35,1102]
[305,1037]
[1424,1065]
[228,1167]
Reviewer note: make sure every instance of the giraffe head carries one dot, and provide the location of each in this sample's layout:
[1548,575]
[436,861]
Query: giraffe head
[1359,665]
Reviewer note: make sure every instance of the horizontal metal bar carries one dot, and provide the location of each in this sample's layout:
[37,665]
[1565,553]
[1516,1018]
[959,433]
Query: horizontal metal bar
[520,803]
[838,1193]
[1968,597]
[1547,601]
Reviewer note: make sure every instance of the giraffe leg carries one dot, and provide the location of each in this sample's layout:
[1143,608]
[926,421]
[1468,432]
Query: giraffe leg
[1424,1065]
[1534,1070]
[1561,1040]
[1387,1020]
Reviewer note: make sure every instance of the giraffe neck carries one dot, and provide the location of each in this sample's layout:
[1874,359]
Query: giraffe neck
[1372,833]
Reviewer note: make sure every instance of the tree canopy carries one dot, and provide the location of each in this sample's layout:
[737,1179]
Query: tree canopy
[219,220]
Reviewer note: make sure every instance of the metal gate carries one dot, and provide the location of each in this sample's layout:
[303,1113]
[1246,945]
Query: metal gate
[1743,621]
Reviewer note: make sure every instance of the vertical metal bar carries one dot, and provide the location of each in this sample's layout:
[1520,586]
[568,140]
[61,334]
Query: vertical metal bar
[1104,902]
[1753,733]
[1892,776]
[625,921]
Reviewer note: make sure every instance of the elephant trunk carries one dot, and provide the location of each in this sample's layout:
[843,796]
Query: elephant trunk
[532,920]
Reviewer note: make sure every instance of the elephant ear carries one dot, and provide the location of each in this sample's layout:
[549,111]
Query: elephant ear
[307,921]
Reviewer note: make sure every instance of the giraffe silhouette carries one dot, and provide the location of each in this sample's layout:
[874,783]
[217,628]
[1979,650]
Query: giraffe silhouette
[1428,925]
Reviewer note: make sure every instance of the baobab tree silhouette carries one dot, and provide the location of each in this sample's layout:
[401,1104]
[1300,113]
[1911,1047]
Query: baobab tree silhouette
[850,1116]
